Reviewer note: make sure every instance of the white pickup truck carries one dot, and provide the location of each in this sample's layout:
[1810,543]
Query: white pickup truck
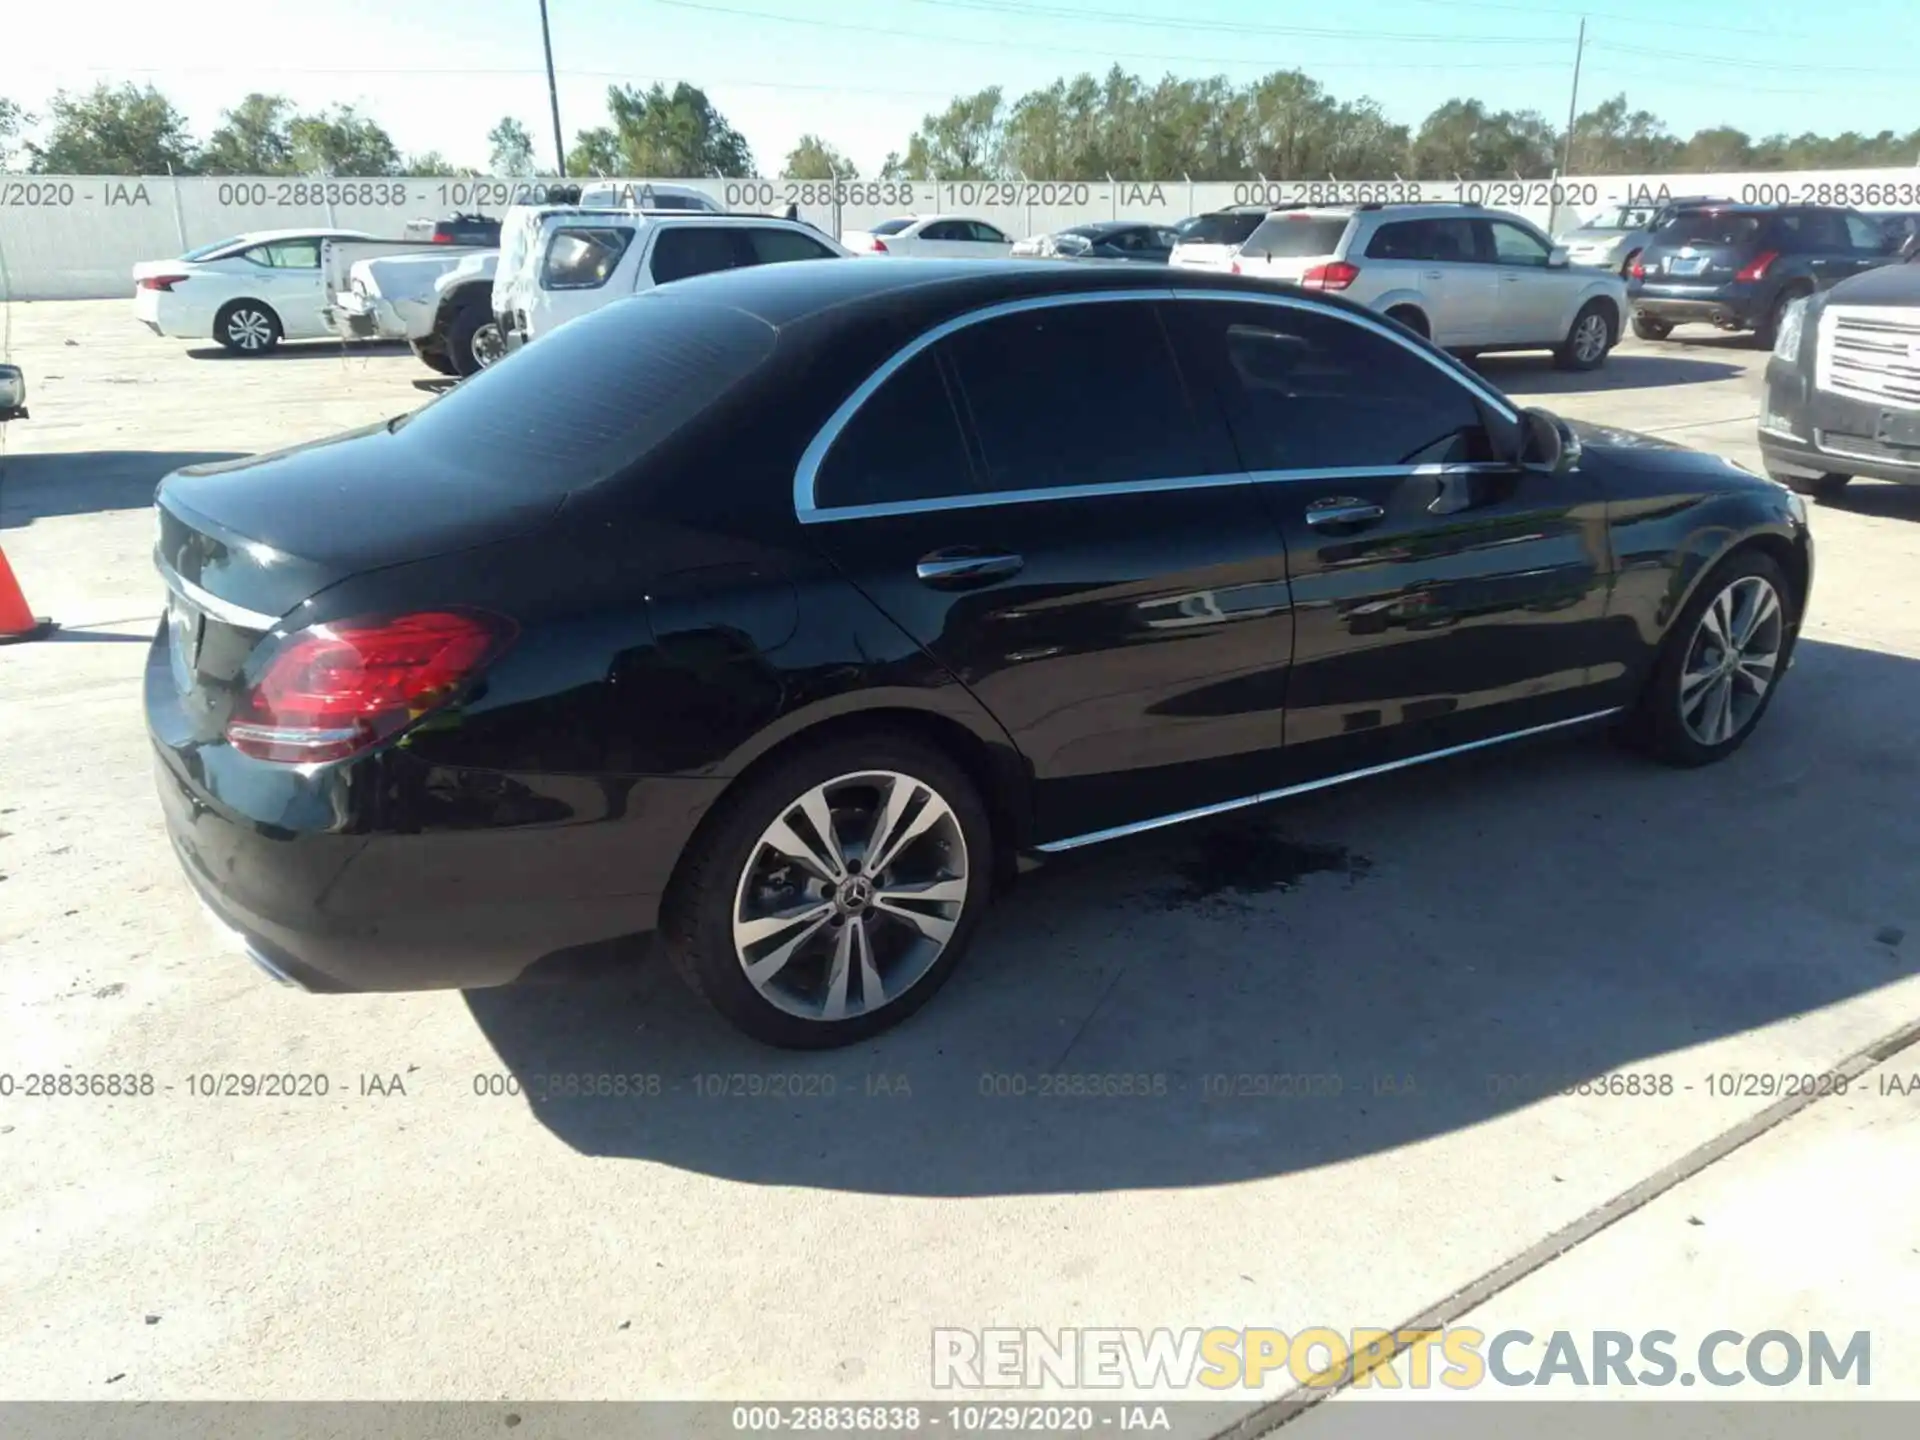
[435,296]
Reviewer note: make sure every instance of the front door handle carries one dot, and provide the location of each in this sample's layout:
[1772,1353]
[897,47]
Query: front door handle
[1342,510]
[963,569]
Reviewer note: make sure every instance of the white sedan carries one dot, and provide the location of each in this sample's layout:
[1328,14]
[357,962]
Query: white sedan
[249,292]
[950,236]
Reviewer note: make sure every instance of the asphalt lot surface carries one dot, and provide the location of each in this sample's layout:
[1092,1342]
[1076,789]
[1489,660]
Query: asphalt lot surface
[1554,911]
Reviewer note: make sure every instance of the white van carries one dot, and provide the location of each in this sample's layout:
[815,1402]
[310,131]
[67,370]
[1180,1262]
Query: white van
[567,262]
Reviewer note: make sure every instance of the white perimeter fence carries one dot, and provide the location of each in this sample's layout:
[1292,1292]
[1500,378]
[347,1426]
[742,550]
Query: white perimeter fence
[75,237]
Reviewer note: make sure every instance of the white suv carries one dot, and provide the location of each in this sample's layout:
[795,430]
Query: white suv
[570,261]
[1468,278]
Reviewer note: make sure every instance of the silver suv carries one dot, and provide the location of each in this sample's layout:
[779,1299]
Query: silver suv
[1468,278]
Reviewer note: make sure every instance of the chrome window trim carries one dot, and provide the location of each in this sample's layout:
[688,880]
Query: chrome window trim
[806,473]
[1095,837]
[222,610]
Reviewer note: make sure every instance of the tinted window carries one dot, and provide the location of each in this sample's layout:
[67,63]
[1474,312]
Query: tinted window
[686,250]
[1223,228]
[1424,240]
[207,252]
[1710,227]
[903,444]
[770,247]
[1075,395]
[984,233]
[1818,230]
[583,257]
[1290,236]
[944,230]
[607,387]
[1514,246]
[889,227]
[1307,390]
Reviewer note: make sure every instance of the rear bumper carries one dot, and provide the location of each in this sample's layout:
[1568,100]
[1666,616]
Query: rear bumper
[1738,307]
[393,873]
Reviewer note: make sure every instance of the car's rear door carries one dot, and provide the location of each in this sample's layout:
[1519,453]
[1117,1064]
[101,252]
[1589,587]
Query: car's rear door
[1435,259]
[1440,594]
[1037,500]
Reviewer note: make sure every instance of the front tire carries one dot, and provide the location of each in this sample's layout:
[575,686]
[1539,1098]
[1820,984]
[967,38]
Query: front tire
[830,897]
[247,327]
[1648,328]
[1721,664]
[434,358]
[1820,487]
[1588,341]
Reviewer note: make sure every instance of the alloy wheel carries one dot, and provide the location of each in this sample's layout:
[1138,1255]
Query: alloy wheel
[250,329]
[1590,338]
[851,895]
[1732,661]
[487,345]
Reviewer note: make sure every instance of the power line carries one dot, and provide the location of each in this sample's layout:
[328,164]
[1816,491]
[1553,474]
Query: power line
[1232,27]
[1905,71]
[1396,37]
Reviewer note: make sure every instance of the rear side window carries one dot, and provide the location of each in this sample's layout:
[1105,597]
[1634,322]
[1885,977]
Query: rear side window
[583,257]
[1310,391]
[1710,227]
[1291,236]
[1223,228]
[946,230]
[1084,394]
[771,247]
[683,251]
[608,388]
[903,444]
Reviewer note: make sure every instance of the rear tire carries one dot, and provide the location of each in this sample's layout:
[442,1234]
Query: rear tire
[433,357]
[1820,487]
[1412,319]
[1675,719]
[1648,328]
[247,327]
[1769,328]
[736,885]
[1588,340]
[473,339]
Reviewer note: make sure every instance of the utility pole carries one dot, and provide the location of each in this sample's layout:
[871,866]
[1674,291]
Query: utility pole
[1573,100]
[553,94]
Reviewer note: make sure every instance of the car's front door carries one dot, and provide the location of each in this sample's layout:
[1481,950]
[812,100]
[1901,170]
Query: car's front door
[293,285]
[1440,593]
[1529,296]
[1039,502]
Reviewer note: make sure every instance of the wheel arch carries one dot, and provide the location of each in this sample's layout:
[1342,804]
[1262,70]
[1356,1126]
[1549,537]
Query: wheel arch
[1780,543]
[228,306]
[1406,300]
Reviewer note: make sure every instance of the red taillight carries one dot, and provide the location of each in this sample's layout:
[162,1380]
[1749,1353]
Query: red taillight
[1757,270]
[879,246]
[1639,270]
[1334,275]
[332,690]
[161,282]
[440,237]
[1234,267]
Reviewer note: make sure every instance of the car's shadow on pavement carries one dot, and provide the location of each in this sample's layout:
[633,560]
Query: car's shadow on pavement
[1535,375]
[1362,969]
[1884,499]
[81,482]
[301,350]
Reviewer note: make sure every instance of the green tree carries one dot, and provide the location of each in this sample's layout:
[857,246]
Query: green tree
[962,142]
[667,134]
[510,148]
[432,162]
[1464,138]
[342,141]
[814,159]
[252,138]
[114,130]
[594,152]
[13,120]
[1612,140]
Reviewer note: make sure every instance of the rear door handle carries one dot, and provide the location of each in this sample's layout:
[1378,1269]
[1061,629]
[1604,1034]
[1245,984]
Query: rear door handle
[963,569]
[1432,275]
[1343,510]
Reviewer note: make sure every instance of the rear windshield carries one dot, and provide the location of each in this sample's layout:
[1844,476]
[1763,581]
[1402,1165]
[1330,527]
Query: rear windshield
[1289,236]
[598,393]
[206,251]
[1710,227]
[583,257]
[1223,228]
[889,227]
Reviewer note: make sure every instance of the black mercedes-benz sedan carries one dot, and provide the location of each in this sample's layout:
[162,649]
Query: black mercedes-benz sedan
[773,614]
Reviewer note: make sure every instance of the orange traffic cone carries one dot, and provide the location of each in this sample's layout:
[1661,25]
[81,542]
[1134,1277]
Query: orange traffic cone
[17,622]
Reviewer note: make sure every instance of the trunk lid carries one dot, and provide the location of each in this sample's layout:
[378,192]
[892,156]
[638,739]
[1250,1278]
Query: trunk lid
[1704,248]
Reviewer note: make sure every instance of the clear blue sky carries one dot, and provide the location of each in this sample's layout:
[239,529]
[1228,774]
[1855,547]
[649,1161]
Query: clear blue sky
[438,73]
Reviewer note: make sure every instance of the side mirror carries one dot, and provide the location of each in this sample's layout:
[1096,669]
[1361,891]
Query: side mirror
[1548,445]
[1557,258]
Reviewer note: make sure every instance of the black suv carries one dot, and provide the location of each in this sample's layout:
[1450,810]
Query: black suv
[457,230]
[1740,266]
